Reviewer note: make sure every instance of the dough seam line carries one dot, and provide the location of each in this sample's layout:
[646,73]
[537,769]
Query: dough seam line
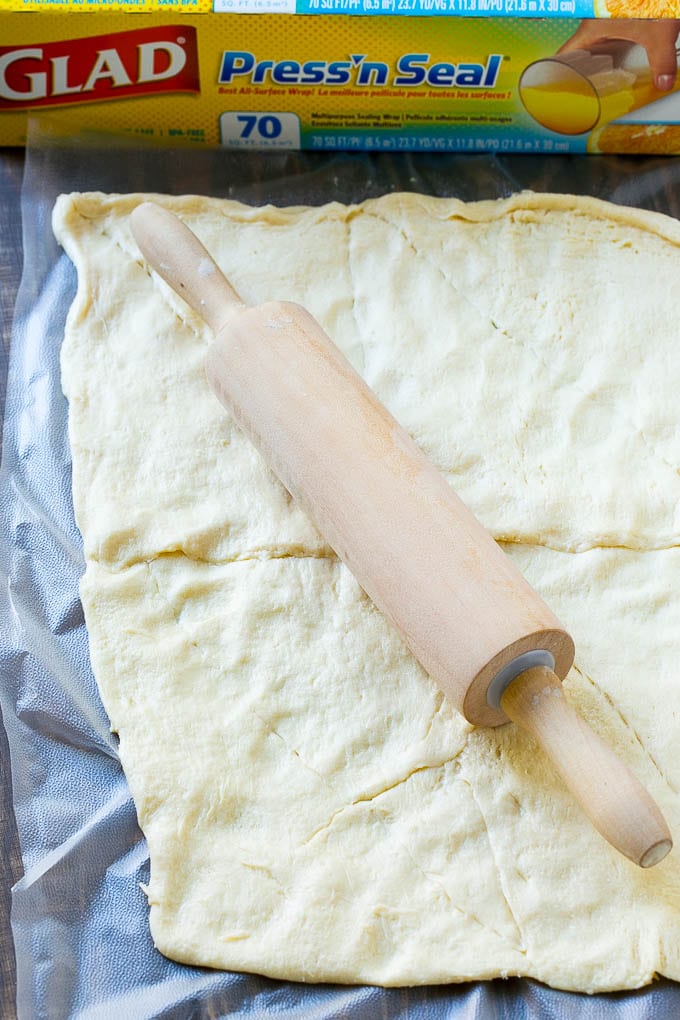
[463,298]
[628,725]
[370,798]
[435,879]
[328,554]
[521,948]
[522,344]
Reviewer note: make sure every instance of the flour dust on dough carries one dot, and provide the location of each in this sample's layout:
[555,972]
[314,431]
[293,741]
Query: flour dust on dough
[314,809]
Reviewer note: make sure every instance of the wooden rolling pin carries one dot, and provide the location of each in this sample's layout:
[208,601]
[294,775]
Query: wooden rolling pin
[467,614]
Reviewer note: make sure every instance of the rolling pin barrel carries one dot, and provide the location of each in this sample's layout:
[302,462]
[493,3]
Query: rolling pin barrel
[467,614]
[411,543]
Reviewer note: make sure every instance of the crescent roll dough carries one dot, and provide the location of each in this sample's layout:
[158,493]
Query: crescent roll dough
[314,809]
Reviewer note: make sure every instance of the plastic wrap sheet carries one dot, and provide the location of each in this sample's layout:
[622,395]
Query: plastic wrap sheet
[79,916]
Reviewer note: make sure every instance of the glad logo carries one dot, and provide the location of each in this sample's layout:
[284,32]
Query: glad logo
[100,67]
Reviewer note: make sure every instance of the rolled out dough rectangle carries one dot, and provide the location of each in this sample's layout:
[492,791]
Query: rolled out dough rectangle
[314,809]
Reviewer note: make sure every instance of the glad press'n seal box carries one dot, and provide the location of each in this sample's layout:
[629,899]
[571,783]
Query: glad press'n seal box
[431,75]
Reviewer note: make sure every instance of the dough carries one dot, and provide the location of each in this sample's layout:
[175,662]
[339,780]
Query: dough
[314,809]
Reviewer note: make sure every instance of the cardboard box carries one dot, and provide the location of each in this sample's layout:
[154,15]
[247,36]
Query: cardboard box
[378,78]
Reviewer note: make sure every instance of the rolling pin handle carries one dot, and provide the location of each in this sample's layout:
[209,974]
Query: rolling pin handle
[179,258]
[610,795]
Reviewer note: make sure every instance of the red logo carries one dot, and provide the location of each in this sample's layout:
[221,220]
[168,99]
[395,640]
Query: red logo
[120,65]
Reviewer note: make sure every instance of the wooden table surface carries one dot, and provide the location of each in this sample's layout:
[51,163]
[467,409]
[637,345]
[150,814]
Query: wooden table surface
[11,170]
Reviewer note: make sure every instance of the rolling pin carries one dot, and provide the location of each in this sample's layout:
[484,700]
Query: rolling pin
[470,618]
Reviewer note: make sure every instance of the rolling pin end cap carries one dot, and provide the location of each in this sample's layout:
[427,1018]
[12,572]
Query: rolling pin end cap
[513,669]
[656,853]
[549,648]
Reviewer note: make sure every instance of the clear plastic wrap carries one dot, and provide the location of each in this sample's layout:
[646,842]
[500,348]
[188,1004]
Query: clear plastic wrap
[79,915]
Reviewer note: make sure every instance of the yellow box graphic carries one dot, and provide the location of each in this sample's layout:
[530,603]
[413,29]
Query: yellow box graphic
[341,82]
